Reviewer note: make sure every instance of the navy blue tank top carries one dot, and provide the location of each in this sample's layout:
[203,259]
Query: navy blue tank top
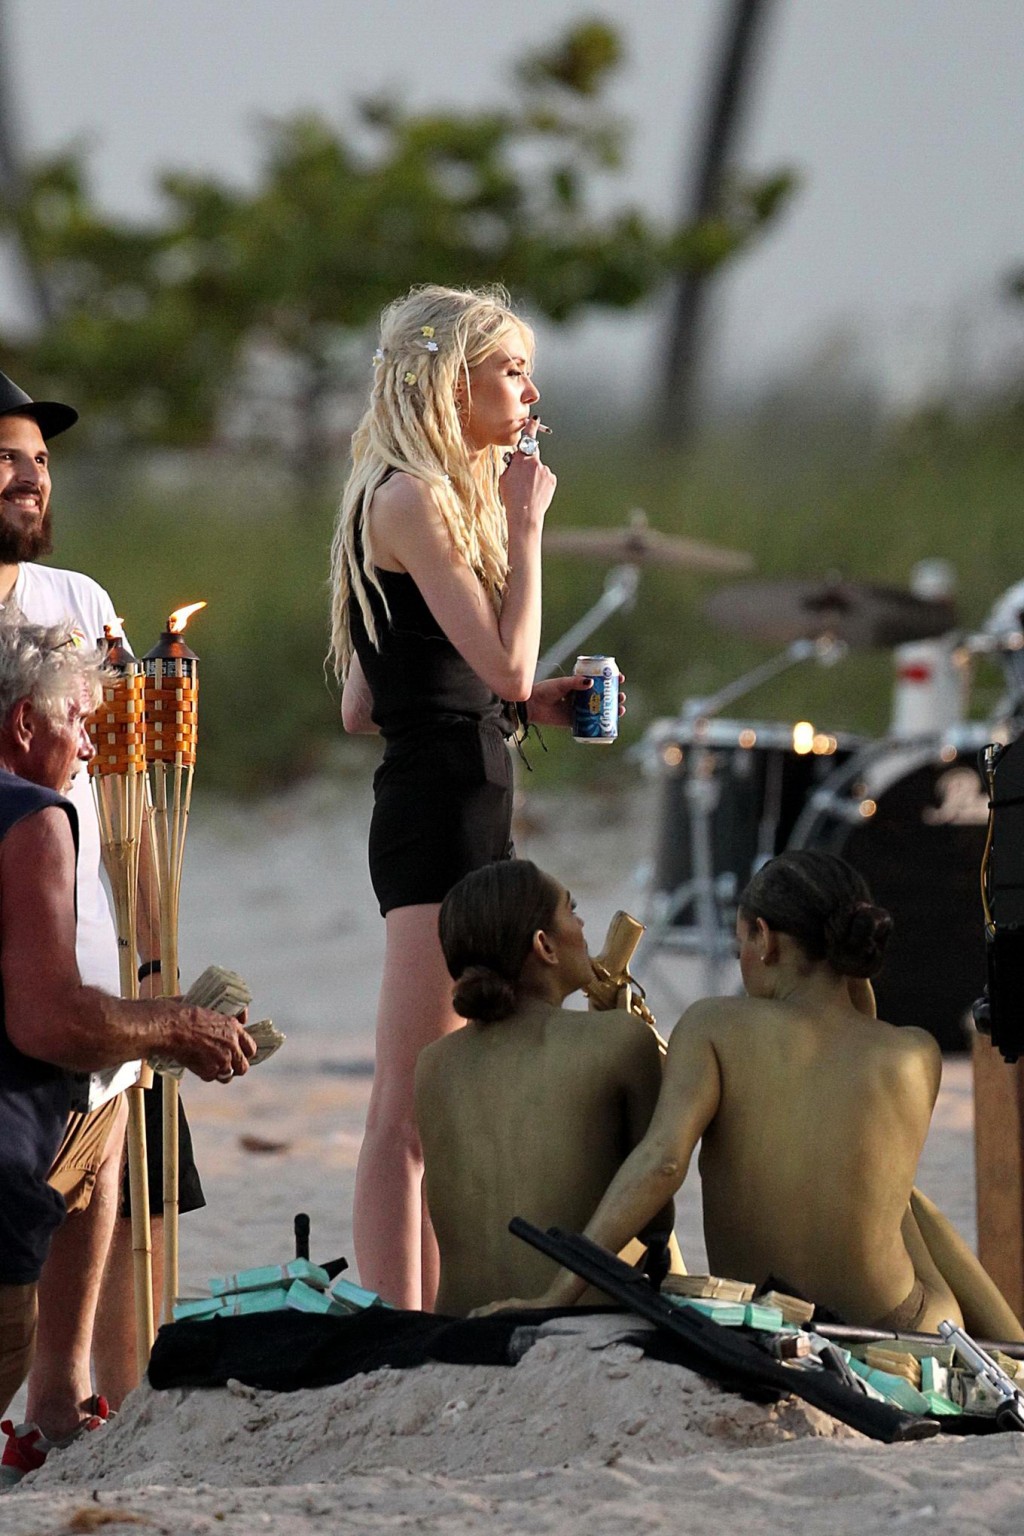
[35,1099]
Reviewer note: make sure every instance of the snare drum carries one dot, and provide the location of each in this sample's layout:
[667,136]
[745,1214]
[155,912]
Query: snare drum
[751,779]
[912,818]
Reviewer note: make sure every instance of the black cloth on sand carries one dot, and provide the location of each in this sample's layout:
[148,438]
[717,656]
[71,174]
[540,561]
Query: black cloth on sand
[288,1351]
[292,1351]
[443,791]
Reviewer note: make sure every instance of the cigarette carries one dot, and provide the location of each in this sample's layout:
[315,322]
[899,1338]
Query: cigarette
[538,425]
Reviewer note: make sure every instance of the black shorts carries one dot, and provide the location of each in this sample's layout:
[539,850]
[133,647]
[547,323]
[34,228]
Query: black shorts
[190,1191]
[442,807]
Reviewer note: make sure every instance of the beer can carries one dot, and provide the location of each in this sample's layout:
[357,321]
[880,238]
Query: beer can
[595,713]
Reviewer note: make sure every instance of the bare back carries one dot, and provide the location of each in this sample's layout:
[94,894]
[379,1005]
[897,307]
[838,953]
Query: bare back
[808,1161]
[531,1116]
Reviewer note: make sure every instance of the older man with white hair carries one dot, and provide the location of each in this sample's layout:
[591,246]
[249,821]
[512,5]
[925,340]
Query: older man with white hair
[46,594]
[51,1024]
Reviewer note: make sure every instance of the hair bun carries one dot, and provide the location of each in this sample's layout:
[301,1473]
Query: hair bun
[484,995]
[855,939]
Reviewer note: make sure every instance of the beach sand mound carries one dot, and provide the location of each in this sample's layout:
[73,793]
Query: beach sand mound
[585,1396]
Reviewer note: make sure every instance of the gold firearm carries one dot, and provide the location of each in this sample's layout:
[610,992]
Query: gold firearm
[613,986]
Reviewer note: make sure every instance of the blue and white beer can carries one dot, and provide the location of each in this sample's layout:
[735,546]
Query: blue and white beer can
[595,712]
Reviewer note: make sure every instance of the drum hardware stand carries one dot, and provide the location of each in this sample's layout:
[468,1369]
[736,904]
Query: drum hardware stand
[704,891]
[620,588]
[709,895]
[1008,646]
[826,650]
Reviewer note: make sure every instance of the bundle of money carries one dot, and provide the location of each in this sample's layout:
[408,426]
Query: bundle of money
[220,990]
[895,1361]
[707,1287]
[297,1286]
[268,1040]
[225,992]
[793,1308]
[1013,1368]
[788,1346]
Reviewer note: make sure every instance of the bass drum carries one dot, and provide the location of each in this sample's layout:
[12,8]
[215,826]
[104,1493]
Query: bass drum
[912,819]
[759,774]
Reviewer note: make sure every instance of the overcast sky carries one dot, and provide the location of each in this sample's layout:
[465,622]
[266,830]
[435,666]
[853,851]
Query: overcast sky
[903,117]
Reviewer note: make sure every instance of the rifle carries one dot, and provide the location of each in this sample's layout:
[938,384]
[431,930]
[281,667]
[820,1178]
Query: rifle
[732,1359]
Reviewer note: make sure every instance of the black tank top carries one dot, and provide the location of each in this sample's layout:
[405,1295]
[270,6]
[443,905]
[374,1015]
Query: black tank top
[35,1099]
[417,677]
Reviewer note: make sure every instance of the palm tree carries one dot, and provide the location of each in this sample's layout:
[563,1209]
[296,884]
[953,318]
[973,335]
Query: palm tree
[728,94]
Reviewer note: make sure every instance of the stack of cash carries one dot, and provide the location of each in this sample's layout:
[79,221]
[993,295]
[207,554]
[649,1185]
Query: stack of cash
[225,992]
[297,1286]
[219,990]
[707,1288]
[895,1361]
[1013,1368]
[793,1308]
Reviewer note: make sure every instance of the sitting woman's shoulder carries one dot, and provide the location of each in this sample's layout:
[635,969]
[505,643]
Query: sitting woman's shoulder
[615,1032]
[434,1058]
[912,1044]
[712,1012]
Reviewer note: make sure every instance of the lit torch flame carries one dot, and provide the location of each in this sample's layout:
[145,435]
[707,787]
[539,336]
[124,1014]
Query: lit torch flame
[180,617]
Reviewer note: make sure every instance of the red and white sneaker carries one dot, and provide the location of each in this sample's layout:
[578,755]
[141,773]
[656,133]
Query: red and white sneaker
[26,1447]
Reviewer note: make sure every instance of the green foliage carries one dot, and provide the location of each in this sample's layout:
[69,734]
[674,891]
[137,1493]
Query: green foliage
[267,716]
[934,486]
[581,63]
[745,207]
[162,328]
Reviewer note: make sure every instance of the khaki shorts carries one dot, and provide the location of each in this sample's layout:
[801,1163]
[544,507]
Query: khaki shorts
[17,1338]
[73,1175]
[80,1154]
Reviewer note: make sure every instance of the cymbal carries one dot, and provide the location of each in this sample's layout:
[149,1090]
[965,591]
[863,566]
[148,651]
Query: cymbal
[639,544]
[861,614]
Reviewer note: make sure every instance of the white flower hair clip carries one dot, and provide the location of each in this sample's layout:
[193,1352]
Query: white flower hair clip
[427,331]
[378,357]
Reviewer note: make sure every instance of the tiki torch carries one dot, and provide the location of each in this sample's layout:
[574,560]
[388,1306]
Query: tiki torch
[171,694]
[118,773]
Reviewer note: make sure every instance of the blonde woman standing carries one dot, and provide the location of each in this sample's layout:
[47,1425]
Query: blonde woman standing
[436,627]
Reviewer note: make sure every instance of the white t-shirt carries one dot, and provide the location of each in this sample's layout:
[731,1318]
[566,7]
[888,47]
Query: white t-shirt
[48,596]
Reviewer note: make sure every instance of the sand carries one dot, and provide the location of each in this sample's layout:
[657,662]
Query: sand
[584,1434]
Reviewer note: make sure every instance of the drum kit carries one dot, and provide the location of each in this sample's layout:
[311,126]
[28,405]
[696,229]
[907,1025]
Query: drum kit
[908,809]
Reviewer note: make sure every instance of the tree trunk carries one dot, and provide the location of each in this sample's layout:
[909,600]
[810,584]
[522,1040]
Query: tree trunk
[311,461]
[728,95]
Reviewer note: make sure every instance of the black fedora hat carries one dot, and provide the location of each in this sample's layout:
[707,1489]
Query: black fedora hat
[50,415]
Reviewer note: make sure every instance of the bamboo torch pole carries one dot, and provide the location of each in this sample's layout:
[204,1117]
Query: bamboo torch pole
[172,689]
[118,773]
